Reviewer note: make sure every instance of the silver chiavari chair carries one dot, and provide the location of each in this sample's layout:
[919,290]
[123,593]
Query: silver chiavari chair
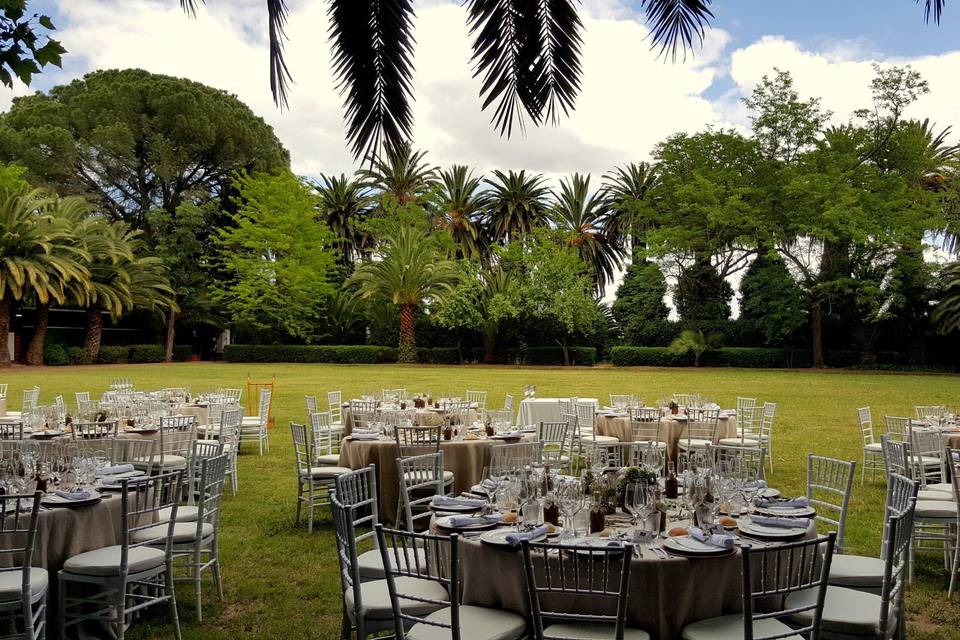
[421,478]
[314,483]
[829,486]
[872,450]
[516,455]
[11,430]
[557,446]
[94,430]
[358,490]
[23,603]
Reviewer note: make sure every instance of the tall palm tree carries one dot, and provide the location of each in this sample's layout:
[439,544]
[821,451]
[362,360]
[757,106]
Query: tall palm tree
[584,214]
[528,54]
[410,273]
[37,254]
[344,203]
[627,189]
[458,209]
[73,213]
[517,203]
[401,173]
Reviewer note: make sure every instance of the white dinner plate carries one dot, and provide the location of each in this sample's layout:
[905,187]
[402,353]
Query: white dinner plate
[687,546]
[498,538]
[53,500]
[760,531]
[787,512]
[454,509]
[770,493]
[444,523]
[592,542]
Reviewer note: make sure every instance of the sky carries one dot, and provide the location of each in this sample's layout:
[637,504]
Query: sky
[630,99]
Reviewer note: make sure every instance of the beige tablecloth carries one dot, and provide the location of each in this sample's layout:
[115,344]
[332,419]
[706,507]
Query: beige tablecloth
[671,430]
[536,410]
[465,458]
[665,595]
[202,412]
[423,417]
[3,406]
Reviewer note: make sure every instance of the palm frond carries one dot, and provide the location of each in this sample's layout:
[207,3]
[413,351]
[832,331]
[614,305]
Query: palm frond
[558,71]
[373,62]
[279,73]
[677,25]
[932,9]
[190,6]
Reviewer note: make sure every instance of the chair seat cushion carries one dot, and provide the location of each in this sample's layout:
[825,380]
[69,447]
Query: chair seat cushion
[592,631]
[251,421]
[936,509]
[942,487]
[170,461]
[599,438]
[370,564]
[731,628]
[653,443]
[106,561]
[938,496]
[926,460]
[12,581]
[694,443]
[476,623]
[329,459]
[182,532]
[874,446]
[736,442]
[328,472]
[856,571]
[185,513]
[844,611]
[376,597]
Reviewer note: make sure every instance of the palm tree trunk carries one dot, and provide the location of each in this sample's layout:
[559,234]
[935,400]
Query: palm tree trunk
[408,334]
[5,356]
[91,340]
[37,340]
[171,331]
[816,334]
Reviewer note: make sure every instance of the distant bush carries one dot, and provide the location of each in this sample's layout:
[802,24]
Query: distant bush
[113,355]
[583,356]
[742,357]
[77,355]
[341,354]
[140,353]
[182,352]
[55,354]
[647,357]
[438,355]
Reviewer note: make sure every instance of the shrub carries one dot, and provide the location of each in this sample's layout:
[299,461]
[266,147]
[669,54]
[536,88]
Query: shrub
[113,355]
[140,353]
[55,355]
[583,356]
[182,352]
[77,355]
[438,355]
[342,354]
[647,357]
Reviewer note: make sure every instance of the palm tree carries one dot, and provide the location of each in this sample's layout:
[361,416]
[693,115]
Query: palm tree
[71,213]
[528,54]
[517,203]
[583,214]
[946,315]
[458,209]
[344,204]
[627,189]
[38,255]
[401,173]
[409,274]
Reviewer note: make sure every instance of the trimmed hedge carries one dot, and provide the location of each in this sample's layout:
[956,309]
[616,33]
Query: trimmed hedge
[438,355]
[55,354]
[741,357]
[340,354]
[647,357]
[113,355]
[583,356]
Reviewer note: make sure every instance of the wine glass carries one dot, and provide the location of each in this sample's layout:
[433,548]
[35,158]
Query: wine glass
[750,487]
[645,503]
[572,500]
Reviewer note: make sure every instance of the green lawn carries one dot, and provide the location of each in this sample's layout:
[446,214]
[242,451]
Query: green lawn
[282,582]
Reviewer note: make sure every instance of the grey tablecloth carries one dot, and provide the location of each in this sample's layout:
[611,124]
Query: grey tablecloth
[671,430]
[537,410]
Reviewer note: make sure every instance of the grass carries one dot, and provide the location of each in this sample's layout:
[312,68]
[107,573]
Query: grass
[282,582]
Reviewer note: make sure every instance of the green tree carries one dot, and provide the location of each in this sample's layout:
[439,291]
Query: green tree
[701,294]
[485,300]
[344,204]
[946,315]
[402,174]
[38,251]
[639,308]
[25,43]
[517,204]
[409,274]
[628,191]
[771,301]
[583,215]
[277,255]
[133,141]
[695,344]
[458,209]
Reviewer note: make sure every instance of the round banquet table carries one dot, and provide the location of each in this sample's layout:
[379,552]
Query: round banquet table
[465,458]
[672,430]
[426,417]
[664,594]
[537,410]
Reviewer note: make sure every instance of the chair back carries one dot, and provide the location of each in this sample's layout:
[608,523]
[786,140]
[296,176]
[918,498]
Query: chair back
[865,419]
[81,397]
[311,404]
[31,398]
[177,434]
[829,486]
[896,456]
[263,407]
[508,403]
[556,444]
[478,398]
[931,412]
[335,406]
[645,424]
[302,449]
[417,440]
[746,414]
[768,416]
[586,415]
[687,400]
[417,557]
[363,412]
[131,450]
[146,503]
[597,577]
[898,428]
[896,559]
[701,424]
[739,458]
[517,455]
[230,421]
[617,455]
[390,395]
[213,470]
[344,534]
[234,395]
[421,478]
[926,449]
[19,515]
[771,573]
[94,430]
[322,426]
[358,490]
[11,430]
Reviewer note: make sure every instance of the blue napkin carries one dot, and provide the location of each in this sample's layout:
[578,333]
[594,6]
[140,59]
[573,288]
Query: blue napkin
[785,504]
[115,470]
[73,495]
[447,501]
[516,538]
[721,540]
[469,521]
[781,523]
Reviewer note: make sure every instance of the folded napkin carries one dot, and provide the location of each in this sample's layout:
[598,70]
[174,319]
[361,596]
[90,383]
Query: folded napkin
[785,504]
[72,495]
[364,435]
[115,470]
[517,538]
[511,434]
[111,481]
[781,523]
[447,501]
[470,521]
[720,540]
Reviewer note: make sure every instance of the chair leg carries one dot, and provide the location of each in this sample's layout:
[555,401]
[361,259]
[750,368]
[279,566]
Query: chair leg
[296,521]
[120,613]
[61,608]
[197,586]
[168,579]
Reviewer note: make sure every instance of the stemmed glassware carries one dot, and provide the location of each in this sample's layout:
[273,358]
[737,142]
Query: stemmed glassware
[571,500]
[751,486]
